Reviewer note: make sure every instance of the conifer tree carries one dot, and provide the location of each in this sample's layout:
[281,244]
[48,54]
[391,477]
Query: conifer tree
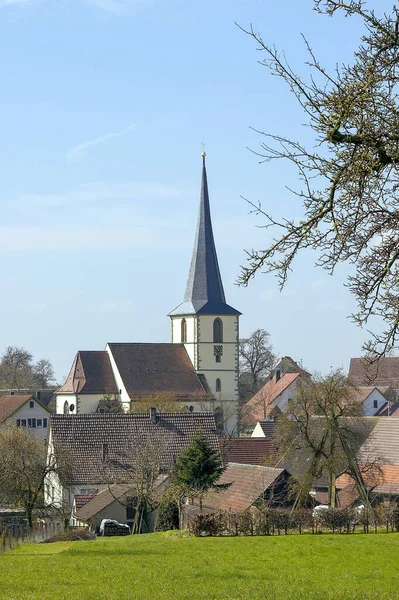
[198,468]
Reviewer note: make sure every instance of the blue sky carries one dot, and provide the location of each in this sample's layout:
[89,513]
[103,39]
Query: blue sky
[104,106]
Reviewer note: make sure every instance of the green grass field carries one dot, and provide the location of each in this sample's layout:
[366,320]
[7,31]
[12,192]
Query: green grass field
[159,566]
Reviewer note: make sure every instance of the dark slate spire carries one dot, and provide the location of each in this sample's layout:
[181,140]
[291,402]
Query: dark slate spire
[204,291]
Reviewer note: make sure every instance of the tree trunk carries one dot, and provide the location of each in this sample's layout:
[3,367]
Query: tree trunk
[331,489]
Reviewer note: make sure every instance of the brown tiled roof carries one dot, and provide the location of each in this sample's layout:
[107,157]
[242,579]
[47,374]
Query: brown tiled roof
[248,483]
[85,439]
[91,373]
[262,404]
[250,451]
[9,404]
[82,499]
[148,369]
[382,372]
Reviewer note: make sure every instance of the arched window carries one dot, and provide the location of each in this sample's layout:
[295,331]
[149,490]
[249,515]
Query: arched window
[218,330]
[183,330]
[218,385]
[66,407]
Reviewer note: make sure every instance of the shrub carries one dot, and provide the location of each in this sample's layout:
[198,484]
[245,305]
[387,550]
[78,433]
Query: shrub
[167,516]
[203,524]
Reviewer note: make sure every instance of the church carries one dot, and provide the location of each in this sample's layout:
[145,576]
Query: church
[199,367]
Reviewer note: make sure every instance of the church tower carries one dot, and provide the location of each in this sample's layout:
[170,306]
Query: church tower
[206,324]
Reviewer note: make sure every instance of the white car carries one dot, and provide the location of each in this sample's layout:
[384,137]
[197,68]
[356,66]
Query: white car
[110,527]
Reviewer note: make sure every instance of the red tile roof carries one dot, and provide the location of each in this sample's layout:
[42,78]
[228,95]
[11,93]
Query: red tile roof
[250,451]
[82,499]
[261,405]
[385,481]
[9,404]
[248,484]
[91,373]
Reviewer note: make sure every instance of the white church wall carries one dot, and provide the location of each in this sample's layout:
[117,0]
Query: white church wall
[191,335]
[124,396]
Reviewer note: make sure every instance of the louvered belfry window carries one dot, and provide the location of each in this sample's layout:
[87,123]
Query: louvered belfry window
[183,330]
[218,330]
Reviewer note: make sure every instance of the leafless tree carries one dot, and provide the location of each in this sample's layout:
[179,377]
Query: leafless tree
[321,433]
[24,468]
[349,171]
[17,370]
[142,467]
[257,360]
[43,372]
[110,403]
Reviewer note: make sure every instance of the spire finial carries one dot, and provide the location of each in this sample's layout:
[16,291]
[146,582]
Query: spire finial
[203,154]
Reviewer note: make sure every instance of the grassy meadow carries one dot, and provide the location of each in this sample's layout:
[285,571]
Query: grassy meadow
[161,566]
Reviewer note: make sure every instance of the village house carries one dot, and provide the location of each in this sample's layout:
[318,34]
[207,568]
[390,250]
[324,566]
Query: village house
[271,399]
[25,411]
[101,450]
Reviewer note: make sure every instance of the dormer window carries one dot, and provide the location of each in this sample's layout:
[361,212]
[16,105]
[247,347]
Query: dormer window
[218,330]
[184,331]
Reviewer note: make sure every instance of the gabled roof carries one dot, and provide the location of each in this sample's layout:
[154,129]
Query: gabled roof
[98,446]
[148,369]
[9,404]
[262,404]
[382,372]
[250,451]
[106,497]
[248,484]
[91,373]
[204,291]
[268,428]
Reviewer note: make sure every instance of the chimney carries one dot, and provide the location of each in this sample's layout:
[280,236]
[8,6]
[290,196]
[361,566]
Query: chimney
[153,415]
[278,375]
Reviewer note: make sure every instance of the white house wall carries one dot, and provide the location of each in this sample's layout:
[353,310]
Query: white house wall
[37,412]
[375,397]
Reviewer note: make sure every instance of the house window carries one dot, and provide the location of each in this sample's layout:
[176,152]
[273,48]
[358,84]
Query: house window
[18,422]
[375,403]
[218,330]
[23,422]
[44,423]
[39,423]
[66,407]
[31,404]
[218,358]
[32,423]
[218,385]
[183,330]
